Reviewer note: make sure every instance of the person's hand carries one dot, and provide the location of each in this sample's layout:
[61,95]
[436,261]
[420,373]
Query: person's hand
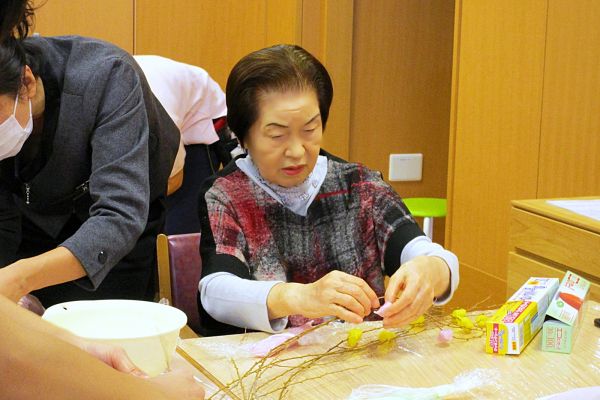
[47,269]
[31,303]
[411,290]
[12,283]
[179,383]
[113,356]
[345,296]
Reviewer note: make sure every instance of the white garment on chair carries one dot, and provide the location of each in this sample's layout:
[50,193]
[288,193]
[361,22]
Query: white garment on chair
[189,95]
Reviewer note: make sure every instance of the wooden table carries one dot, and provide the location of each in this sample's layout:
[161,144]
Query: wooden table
[546,240]
[413,361]
[187,333]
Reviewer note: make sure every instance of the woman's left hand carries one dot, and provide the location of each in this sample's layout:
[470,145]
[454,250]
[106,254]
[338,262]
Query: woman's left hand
[113,356]
[32,303]
[412,289]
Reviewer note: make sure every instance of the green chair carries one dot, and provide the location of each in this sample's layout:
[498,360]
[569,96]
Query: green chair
[427,208]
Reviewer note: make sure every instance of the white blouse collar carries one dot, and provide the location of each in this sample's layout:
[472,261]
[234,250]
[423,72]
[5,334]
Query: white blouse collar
[297,198]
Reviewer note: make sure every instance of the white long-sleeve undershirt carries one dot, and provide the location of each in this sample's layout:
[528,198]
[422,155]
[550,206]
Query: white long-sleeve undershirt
[243,302]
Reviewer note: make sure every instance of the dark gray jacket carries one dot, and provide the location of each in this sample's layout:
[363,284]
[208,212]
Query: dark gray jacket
[108,131]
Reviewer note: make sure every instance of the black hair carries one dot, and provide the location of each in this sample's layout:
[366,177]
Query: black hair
[14,56]
[16,18]
[278,68]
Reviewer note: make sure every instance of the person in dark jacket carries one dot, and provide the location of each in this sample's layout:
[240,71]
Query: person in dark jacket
[85,154]
[45,365]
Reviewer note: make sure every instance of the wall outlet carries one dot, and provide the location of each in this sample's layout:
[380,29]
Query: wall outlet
[406,167]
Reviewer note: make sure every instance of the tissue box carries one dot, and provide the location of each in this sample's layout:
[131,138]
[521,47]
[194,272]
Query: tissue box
[564,314]
[513,326]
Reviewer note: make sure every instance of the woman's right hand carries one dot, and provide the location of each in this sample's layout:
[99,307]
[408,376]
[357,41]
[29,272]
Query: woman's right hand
[340,294]
[179,382]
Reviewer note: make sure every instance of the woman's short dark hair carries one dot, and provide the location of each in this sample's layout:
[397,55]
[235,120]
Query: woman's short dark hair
[278,68]
[12,62]
[16,17]
[15,53]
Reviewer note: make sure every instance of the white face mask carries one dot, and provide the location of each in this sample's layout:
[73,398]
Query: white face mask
[12,134]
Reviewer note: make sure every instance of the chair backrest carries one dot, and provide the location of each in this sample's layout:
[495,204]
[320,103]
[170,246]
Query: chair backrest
[179,269]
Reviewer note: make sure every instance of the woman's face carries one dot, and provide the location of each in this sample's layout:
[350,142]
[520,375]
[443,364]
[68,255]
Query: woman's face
[285,140]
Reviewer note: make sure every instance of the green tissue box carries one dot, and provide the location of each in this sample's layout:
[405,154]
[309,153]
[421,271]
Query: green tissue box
[564,314]
[558,336]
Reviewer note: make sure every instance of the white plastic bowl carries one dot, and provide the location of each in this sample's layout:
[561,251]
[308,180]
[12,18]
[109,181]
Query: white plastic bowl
[147,331]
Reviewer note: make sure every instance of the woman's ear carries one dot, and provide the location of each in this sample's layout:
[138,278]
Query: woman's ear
[29,83]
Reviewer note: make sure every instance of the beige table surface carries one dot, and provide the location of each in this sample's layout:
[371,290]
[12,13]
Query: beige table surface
[414,361]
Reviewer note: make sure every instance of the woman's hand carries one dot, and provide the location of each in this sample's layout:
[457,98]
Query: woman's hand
[337,293]
[179,383]
[28,274]
[12,283]
[113,356]
[412,289]
[31,303]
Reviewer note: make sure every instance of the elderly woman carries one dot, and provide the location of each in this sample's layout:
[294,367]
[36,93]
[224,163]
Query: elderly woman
[290,231]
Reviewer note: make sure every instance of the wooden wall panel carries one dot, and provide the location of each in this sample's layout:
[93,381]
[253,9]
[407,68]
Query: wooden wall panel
[110,20]
[284,21]
[496,113]
[401,76]
[211,34]
[327,32]
[477,290]
[216,34]
[570,146]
